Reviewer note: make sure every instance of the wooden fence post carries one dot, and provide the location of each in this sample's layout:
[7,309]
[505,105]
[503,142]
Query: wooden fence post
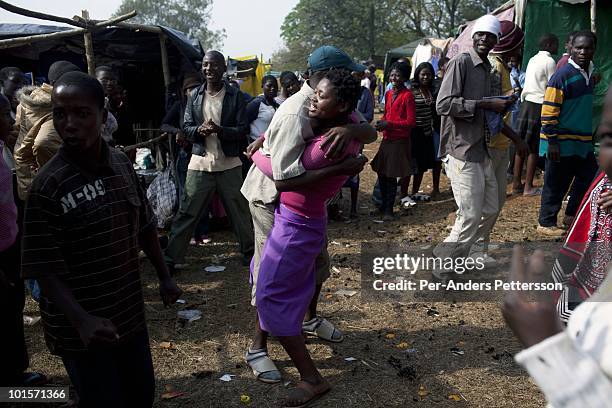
[89,53]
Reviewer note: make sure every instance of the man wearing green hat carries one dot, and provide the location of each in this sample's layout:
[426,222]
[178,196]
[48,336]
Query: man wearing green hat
[284,143]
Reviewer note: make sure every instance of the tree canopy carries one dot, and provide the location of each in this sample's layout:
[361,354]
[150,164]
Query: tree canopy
[189,16]
[364,28]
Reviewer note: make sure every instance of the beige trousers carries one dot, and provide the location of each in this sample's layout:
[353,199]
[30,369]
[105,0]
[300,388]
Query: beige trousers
[476,194]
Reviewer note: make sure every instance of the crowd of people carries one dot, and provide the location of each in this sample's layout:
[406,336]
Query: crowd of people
[74,215]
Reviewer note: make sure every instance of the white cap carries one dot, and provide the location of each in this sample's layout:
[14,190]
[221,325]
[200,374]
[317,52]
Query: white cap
[487,24]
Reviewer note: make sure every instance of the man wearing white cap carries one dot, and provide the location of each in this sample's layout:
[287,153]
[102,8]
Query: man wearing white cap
[463,102]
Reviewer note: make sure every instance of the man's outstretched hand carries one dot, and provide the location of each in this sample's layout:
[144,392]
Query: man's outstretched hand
[531,321]
[253,147]
[169,291]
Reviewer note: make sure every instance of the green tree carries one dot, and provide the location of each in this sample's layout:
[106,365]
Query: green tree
[290,58]
[472,9]
[189,16]
[370,27]
[441,18]
[360,27]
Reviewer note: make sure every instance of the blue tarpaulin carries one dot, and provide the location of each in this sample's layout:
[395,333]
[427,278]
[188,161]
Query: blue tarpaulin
[134,53]
[113,42]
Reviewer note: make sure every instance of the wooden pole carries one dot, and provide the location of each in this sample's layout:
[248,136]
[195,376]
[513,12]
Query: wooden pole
[141,27]
[20,41]
[89,53]
[172,163]
[116,20]
[75,21]
[164,60]
[42,16]
[593,15]
[166,71]
[154,140]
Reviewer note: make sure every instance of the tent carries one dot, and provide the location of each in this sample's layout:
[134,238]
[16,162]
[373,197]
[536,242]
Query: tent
[407,50]
[133,50]
[250,71]
[463,42]
[560,17]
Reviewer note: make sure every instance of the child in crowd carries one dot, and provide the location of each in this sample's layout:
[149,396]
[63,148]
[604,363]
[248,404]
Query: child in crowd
[393,157]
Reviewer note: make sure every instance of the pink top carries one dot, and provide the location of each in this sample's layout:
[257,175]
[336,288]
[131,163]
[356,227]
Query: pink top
[8,210]
[310,201]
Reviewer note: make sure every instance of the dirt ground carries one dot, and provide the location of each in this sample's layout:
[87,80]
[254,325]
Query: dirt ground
[422,373]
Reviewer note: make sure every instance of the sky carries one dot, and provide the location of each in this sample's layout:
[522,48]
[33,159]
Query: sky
[252,26]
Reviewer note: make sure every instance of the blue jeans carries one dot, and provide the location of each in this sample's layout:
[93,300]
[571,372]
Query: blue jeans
[376,196]
[117,376]
[558,177]
[34,288]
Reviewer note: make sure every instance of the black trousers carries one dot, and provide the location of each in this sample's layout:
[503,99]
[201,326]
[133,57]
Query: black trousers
[388,190]
[558,177]
[13,353]
[117,377]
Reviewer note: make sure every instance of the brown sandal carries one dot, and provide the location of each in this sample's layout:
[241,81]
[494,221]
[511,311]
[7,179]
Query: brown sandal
[305,394]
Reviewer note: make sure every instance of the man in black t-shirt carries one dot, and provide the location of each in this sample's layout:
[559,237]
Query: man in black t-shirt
[85,220]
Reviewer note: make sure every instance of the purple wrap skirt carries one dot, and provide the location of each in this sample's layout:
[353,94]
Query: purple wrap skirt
[287,275]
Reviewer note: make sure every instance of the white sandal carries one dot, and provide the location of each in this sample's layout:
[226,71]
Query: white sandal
[262,365]
[407,203]
[323,329]
[421,197]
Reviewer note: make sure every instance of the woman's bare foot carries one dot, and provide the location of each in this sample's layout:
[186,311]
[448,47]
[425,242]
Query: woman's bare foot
[305,393]
[532,191]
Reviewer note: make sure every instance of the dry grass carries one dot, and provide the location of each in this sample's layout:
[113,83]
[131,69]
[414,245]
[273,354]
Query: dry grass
[383,376]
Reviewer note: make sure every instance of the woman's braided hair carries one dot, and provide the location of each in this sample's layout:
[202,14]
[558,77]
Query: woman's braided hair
[348,89]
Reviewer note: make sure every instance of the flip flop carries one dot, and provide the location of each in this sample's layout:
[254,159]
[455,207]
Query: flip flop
[421,197]
[305,394]
[262,365]
[536,192]
[323,329]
